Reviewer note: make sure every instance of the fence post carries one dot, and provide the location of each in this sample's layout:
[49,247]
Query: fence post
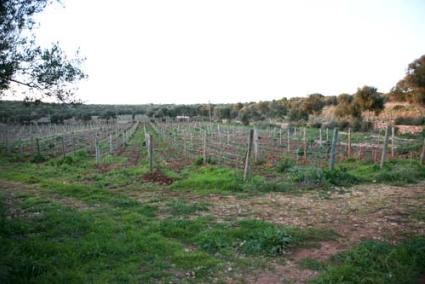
[280,136]
[111,147]
[37,141]
[204,148]
[392,142]
[327,134]
[63,146]
[305,143]
[332,159]
[423,154]
[320,137]
[149,145]
[385,147]
[248,155]
[256,146]
[289,141]
[349,143]
[96,149]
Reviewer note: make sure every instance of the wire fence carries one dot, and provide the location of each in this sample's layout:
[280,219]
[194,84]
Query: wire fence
[55,140]
[228,144]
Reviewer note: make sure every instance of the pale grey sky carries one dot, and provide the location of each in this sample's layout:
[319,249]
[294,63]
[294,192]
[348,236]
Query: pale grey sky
[225,51]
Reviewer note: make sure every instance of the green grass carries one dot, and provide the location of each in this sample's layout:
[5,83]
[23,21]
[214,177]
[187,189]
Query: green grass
[312,264]
[127,243]
[210,179]
[114,237]
[181,207]
[396,172]
[377,262]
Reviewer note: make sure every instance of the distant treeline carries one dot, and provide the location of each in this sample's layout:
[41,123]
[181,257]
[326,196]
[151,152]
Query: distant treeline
[347,107]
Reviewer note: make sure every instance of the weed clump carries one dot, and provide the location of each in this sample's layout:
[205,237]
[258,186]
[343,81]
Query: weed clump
[378,262]
[285,164]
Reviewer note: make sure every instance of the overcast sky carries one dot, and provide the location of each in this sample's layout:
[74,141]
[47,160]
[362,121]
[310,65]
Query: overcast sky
[226,51]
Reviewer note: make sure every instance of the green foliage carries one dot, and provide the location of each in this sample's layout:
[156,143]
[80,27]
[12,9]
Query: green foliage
[394,171]
[377,262]
[412,86]
[253,237]
[340,177]
[181,207]
[308,175]
[199,161]
[38,158]
[368,98]
[409,120]
[285,164]
[48,71]
[210,179]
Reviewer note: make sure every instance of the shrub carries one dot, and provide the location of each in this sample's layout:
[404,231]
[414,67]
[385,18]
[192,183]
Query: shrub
[339,177]
[285,164]
[38,158]
[401,120]
[308,175]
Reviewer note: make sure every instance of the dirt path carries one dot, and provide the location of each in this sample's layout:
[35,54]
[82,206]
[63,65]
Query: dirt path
[377,212]
[371,211]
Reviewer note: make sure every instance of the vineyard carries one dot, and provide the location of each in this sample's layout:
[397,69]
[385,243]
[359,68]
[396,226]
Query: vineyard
[228,145]
[59,140]
[200,202]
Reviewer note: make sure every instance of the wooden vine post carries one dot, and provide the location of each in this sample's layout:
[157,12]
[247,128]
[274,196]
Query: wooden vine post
[96,149]
[320,137]
[247,166]
[423,154]
[256,146]
[392,142]
[63,146]
[332,158]
[37,141]
[204,146]
[349,143]
[149,146]
[280,136]
[385,147]
[305,144]
[289,141]
[111,146]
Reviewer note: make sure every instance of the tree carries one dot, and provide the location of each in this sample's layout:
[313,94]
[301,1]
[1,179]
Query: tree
[297,113]
[346,107]
[314,103]
[412,86]
[368,99]
[44,72]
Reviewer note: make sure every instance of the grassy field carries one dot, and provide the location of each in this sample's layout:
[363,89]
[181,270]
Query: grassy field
[69,220]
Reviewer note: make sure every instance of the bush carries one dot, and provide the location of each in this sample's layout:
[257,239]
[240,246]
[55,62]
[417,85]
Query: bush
[360,125]
[199,161]
[409,120]
[340,177]
[38,158]
[285,164]
[308,175]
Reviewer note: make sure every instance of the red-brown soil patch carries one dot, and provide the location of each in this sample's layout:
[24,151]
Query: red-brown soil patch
[158,177]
